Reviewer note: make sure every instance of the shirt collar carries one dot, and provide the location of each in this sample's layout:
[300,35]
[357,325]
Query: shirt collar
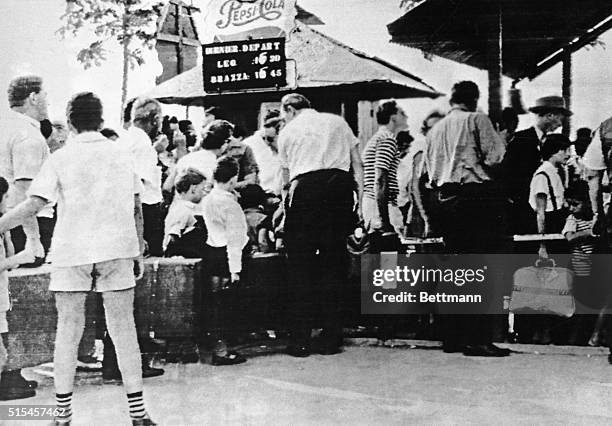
[386,133]
[222,192]
[26,118]
[89,137]
[186,203]
[539,132]
[458,108]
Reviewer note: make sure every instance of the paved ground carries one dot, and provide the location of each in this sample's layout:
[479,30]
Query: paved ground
[413,383]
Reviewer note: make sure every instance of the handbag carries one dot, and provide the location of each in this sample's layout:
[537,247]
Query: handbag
[543,290]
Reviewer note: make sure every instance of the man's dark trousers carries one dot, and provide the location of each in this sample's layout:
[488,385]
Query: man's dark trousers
[470,222]
[319,218]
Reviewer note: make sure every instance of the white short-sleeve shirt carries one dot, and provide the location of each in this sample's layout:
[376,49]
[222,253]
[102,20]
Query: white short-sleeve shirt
[539,185]
[593,157]
[315,141]
[93,181]
[180,219]
[138,143]
[23,150]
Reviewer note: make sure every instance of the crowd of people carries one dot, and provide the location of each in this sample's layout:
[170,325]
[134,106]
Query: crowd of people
[96,200]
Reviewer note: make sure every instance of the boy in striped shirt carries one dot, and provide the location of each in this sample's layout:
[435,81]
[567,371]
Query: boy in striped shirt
[380,162]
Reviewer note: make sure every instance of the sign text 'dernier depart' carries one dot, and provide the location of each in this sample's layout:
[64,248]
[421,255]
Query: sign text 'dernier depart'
[249,64]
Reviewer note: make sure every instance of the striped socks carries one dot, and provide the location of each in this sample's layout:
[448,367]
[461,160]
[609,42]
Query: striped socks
[64,407]
[136,403]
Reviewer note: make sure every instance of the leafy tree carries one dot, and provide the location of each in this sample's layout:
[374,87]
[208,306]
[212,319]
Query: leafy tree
[124,21]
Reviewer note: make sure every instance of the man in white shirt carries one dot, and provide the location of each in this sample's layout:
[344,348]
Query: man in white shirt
[146,122]
[264,144]
[317,151]
[98,234]
[23,150]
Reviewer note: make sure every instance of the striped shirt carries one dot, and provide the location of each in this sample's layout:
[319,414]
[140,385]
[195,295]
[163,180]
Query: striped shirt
[582,251]
[381,152]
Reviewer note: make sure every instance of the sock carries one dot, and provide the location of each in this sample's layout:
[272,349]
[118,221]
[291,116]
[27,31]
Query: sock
[64,407]
[136,403]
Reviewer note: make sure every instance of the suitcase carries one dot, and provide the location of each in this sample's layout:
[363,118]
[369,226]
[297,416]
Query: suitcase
[168,298]
[543,289]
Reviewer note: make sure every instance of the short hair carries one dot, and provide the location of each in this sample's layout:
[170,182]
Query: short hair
[433,114]
[275,123]
[46,128]
[226,169]
[127,110]
[4,187]
[187,179]
[295,100]
[509,119]
[184,125]
[273,113]
[108,133]
[385,110]
[20,88]
[239,132]
[554,143]
[217,133]
[145,109]
[84,112]
[252,195]
[578,190]
[173,120]
[464,92]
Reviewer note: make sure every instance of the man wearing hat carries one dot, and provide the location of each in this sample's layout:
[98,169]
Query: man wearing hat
[524,156]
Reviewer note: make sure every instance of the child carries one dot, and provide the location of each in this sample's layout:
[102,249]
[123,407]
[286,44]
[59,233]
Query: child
[227,236]
[185,233]
[252,200]
[546,190]
[578,232]
[8,392]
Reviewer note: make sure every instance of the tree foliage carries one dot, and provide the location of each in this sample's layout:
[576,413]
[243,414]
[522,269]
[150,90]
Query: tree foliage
[125,21]
[409,4]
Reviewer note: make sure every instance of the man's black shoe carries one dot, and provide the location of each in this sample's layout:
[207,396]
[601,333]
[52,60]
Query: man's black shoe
[151,372]
[451,349]
[485,350]
[297,351]
[14,379]
[115,375]
[329,350]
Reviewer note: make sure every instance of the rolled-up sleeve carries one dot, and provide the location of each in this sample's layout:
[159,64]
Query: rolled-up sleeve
[236,236]
[492,145]
[46,183]
[28,156]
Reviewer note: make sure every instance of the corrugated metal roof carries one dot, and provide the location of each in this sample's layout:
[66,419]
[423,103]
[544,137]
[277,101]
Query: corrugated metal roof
[321,62]
[533,31]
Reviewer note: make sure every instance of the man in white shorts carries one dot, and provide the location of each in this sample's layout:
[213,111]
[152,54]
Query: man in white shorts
[97,239]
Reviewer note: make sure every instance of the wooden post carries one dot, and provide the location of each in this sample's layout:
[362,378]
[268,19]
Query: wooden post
[494,68]
[567,89]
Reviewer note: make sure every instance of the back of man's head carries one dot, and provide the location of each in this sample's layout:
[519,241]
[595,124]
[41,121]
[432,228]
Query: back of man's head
[217,134]
[226,169]
[20,88]
[145,109]
[465,93]
[296,101]
[188,179]
[385,110]
[84,112]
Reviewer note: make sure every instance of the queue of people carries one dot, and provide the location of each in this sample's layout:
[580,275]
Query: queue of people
[104,198]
